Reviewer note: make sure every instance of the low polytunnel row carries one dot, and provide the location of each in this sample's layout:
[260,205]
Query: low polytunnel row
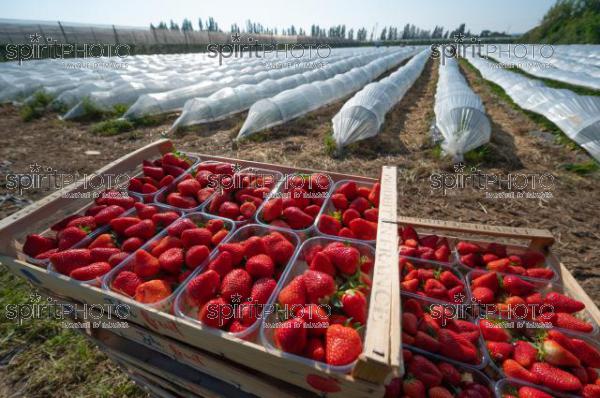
[363,115]
[578,116]
[231,100]
[298,101]
[460,117]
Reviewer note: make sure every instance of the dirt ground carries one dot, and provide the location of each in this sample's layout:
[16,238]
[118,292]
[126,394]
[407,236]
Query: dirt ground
[517,147]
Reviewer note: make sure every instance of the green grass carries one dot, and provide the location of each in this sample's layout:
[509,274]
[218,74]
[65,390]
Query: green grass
[42,359]
[478,155]
[112,127]
[437,151]
[583,168]
[35,108]
[329,143]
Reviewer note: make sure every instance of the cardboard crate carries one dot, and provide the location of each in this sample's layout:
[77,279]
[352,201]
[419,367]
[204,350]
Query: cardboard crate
[374,363]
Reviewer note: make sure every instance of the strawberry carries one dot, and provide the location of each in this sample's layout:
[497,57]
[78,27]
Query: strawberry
[348,189]
[413,388]
[103,253]
[555,354]
[236,250]
[374,194]
[363,229]
[434,288]
[219,236]
[215,313]
[229,210]
[318,285]
[120,224]
[316,318]
[315,349]
[339,201]
[347,233]
[555,378]
[591,391]
[345,258]
[321,262]
[260,266]
[247,209]
[329,225]
[69,237]
[85,222]
[236,285]
[278,248]
[291,336]
[568,321]
[426,342]
[442,253]
[272,209]
[467,248]
[360,204]
[189,187]
[473,260]
[513,369]
[319,182]
[455,346]
[144,229]
[483,295]
[349,215]
[103,240]
[164,219]
[148,188]
[105,215]
[354,304]
[530,392]
[203,287]
[540,273]
[343,345]
[91,271]
[215,225]
[532,259]
[525,353]
[449,373]
[371,215]
[171,260]
[410,286]
[500,265]
[312,210]
[68,260]
[296,218]
[178,200]
[449,280]
[168,242]
[493,332]
[562,303]
[126,282]
[166,180]
[587,353]
[489,257]
[262,290]
[517,286]
[152,291]
[439,392]
[424,370]
[154,172]
[294,293]
[499,351]
[489,280]
[409,322]
[116,259]
[144,211]
[145,265]
[196,236]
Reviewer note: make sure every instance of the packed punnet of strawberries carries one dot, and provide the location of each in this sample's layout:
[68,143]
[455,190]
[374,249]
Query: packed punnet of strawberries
[233,288]
[499,258]
[296,202]
[154,272]
[239,197]
[426,247]
[431,326]
[193,188]
[432,377]
[74,228]
[562,362]
[323,305]
[430,280]
[513,297]
[351,211]
[159,173]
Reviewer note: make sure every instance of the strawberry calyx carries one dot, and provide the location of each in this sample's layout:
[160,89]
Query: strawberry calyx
[337,215]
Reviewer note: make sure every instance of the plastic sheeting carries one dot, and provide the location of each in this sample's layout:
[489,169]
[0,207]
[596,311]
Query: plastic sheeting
[363,115]
[459,113]
[578,116]
[298,101]
[231,100]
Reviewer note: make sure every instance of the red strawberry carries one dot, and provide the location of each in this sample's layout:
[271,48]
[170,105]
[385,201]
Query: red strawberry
[86,222]
[500,265]
[153,291]
[568,321]
[278,248]
[354,304]
[318,285]
[555,378]
[363,229]
[517,286]
[316,318]
[144,211]
[153,172]
[347,233]
[513,369]
[272,209]
[339,201]
[530,392]
[172,260]
[434,288]
[473,260]
[68,260]
[166,180]
[342,345]
[587,353]
[291,336]
[424,370]
[455,346]
[177,228]
[321,262]
[449,280]
[189,187]
[126,282]
[489,280]
[219,236]
[562,303]
[409,322]
[296,218]
[345,258]
[348,189]
[315,349]
[439,392]
[103,253]
[178,200]
[91,271]
[410,286]
[116,259]
[426,342]
[467,247]
[120,224]
[215,225]
[499,351]
[555,354]
[483,295]
[196,236]
[360,204]
[235,249]
[215,313]
[413,388]
[532,259]
[236,286]
[144,229]
[540,273]
[203,287]
[149,188]
[262,290]
[294,293]
[374,194]
[247,209]
[525,353]
[449,373]
[165,218]
[69,237]
[105,215]
[145,265]
[349,215]
[371,215]
[591,391]
[222,264]
[329,225]
[260,266]
[493,332]
[168,242]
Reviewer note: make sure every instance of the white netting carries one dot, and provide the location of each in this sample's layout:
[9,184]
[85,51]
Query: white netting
[298,101]
[578,116]
[459,113]
[362,116]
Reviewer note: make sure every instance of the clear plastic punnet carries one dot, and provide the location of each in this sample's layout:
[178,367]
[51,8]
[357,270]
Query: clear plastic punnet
[231,100]
[578,116]
[298,101]
[363,115]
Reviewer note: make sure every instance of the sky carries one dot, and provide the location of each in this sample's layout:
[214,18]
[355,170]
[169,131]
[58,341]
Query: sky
[512,16]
